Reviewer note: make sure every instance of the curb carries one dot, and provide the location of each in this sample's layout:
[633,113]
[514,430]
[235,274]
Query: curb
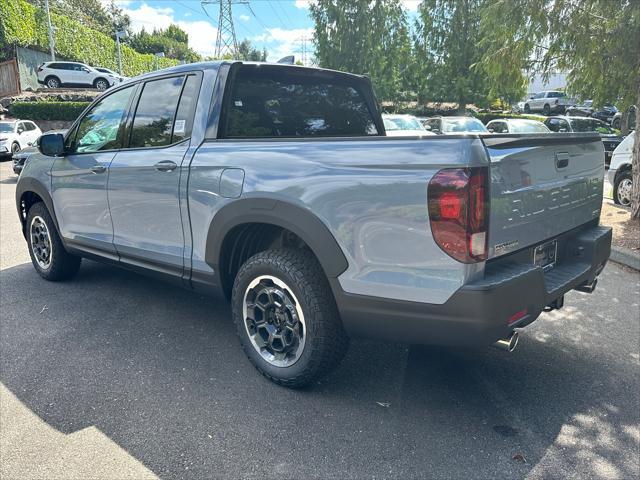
[625,257]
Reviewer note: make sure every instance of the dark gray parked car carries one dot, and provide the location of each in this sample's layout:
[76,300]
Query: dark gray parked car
[275,186]
[610,139]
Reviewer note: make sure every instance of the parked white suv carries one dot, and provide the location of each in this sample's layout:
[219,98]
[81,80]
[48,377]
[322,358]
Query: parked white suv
[619,174]
[58,74]
[548,102]
[16,135]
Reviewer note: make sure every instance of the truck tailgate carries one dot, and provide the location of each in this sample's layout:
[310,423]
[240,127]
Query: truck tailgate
[542,186]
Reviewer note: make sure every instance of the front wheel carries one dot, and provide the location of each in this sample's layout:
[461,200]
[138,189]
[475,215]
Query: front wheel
[49,258]
[527,108]
[622,189]
[286,317]
[101,84]
[546,110]
[15,148]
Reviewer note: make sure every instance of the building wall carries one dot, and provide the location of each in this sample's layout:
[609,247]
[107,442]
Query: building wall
[28,61]
[537,83]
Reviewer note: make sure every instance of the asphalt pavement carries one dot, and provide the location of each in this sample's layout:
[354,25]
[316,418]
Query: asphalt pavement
[115,375]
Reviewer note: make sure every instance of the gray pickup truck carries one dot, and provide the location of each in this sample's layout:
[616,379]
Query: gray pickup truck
[275,186]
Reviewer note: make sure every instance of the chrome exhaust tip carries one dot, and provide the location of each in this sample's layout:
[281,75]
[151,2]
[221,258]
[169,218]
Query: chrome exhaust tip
[509,343]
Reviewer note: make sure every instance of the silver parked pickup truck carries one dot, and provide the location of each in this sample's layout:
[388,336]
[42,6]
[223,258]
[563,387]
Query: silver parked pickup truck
[276,186]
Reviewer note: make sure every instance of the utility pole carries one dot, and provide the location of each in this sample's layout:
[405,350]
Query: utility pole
[119,34]
[226,42]
[51,39]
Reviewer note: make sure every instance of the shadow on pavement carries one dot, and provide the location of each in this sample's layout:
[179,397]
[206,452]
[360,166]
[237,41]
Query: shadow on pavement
[160,371]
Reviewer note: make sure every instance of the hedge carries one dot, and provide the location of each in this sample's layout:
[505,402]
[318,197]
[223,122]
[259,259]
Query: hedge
[487,117]
[23,24]
[47,110]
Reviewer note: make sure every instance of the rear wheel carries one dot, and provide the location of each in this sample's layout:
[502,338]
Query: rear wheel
[53,82]
[622,189]
[49,258]
[286,317]
[616,123]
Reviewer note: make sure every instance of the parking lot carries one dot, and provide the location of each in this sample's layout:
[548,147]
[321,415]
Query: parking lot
[117,375]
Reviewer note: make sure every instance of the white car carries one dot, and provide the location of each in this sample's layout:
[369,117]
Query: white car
[404,126]
[516,125]
[548,102]
[59,74]
[619,174]
[16,135]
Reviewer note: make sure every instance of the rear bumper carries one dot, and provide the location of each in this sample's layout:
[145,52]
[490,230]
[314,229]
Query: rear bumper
[479,313]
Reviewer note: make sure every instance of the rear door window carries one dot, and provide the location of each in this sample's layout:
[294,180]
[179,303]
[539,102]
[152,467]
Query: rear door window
[154,118]
[275,103]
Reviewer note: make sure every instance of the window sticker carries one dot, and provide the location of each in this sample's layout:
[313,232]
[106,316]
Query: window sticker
[180,126]
[238,103]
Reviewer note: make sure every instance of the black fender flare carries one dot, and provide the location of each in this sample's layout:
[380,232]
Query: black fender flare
[282,213]
[27,184]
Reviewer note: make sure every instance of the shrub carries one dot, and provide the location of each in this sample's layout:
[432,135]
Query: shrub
[487,117]
[23,24]
[47,110]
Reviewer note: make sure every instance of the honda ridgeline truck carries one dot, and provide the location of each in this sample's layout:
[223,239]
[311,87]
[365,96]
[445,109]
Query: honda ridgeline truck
[276,186]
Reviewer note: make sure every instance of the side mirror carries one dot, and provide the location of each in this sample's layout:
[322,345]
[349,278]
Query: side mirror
[490,130]
[51,144]
[531,97]
[427,127]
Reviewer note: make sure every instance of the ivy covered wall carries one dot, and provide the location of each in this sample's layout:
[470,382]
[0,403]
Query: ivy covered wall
[25,25]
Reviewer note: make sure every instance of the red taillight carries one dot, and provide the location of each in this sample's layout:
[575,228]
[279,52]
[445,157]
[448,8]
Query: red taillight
[458,211]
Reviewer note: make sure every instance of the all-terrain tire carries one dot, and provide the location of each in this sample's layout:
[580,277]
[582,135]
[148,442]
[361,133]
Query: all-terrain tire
[62,265]
[325,339]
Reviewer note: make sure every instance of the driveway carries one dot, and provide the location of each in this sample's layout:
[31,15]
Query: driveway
[116,375]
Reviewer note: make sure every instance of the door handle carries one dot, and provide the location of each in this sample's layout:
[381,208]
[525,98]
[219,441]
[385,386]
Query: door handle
[165,166]
[98,169]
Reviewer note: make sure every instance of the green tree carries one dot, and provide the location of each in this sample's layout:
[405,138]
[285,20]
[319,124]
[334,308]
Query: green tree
[249,53]
[172,41]
[90,13]
[365,37]
[446,40]
[595,41]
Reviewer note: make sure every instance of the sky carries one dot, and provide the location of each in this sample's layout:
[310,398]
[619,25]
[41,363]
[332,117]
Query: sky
[277,25]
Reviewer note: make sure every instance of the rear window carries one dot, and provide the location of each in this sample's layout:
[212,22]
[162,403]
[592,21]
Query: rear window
[555,95]
[463,125]
[273,103]
[590,125]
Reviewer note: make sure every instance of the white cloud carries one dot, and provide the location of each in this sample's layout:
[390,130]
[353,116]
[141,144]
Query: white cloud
[303,3]
[280,42]
[202,34]
[244,18]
